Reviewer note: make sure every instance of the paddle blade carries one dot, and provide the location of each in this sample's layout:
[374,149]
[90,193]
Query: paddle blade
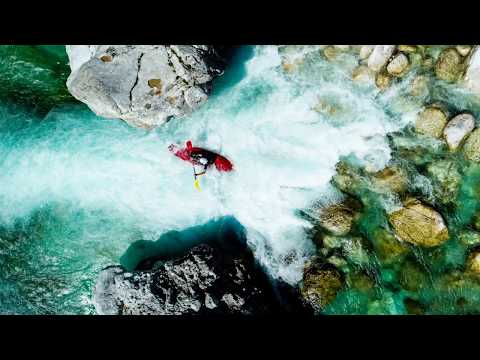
[197,184]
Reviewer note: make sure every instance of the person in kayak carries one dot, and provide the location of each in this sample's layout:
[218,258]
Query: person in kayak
[201,159]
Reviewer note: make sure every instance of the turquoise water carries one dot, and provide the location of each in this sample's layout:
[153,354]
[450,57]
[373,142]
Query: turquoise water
[77,190]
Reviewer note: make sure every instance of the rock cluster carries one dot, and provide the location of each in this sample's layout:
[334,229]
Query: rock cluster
[205,281]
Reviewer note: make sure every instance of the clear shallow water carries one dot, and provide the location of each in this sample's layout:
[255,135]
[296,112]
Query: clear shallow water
[76,190]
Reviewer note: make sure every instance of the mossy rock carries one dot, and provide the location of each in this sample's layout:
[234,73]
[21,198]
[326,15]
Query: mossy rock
[419,224]
[449,66]
[471,149]
[412,277]
[320,285]
[391,179]
[446,180]
[431,122]
[388,248]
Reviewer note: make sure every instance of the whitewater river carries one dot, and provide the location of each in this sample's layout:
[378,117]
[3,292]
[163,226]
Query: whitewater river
[76,190]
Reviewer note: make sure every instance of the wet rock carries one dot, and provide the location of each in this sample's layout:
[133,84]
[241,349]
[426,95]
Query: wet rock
[449,65]
[337,219]
[413,307]
[320,285]
[445,178]
[382,81]
[391,179]
[431,122]
[323,106]
[351,248]
[471,149]
[206,280]
[469,238]
[380,56]
[407,48]
[398,65]
[363,73]
[388,248]
[419,224]
[365,51]
[330,53]
[412,277]
[419,86]
[463,50]
[115,80]
[347,178]
[458,129]
[473,262]
[472,73]
[342,47]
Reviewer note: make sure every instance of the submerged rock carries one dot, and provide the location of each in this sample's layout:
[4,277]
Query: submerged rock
[365,51]
[382,81]
[144,85]
[471,149]
[363,73]
[388,248]
[431,122]
[419,224]
[449,65]
[473,262]
[320,285]
[458,129]
[391,179]
[446,179]
[380,56]
[206,280]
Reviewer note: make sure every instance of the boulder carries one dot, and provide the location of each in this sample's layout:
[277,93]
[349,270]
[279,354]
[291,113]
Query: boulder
[407,48]
[449,66]
[207,280]
[391,179]
[363,73]
[472,73]
[144,85]
[419,86]
[380,56]
[419,224]
[320,285]
[446,178]
[398,65]
[473,262]
[471,149]
[458,129]
[463,50]
[431,122]
[382,81]
[337,219]
[365,51]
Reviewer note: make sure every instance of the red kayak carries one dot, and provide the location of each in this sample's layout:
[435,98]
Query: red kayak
[203,157]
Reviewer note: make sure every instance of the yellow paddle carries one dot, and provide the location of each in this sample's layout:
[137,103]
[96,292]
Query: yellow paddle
[197,185]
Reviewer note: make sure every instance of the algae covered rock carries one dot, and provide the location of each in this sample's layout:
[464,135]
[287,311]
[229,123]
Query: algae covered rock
[473,262]
[391,179]
[449,65]
[320,285]
[419,224]
[445,178]
[431,122]
[388,248]
[471,149]
[382,80]
[458,129]
[337,219]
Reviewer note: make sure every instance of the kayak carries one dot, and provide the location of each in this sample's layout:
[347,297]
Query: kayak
[194,155]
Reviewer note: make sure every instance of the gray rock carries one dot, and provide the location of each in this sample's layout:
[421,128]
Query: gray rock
[380,56]
[472,74]
[144,85]
[458,129]
[205,280]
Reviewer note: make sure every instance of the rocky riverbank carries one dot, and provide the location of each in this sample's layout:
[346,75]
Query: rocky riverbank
[405,239]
